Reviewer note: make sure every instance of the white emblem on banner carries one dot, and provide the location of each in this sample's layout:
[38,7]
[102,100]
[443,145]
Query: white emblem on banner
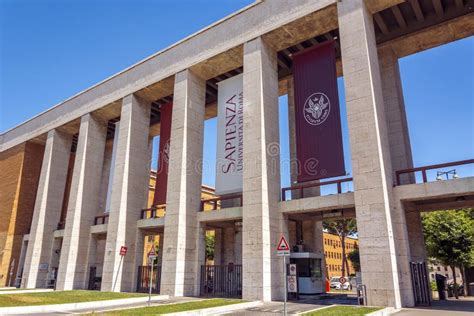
[230,137]
[316,108]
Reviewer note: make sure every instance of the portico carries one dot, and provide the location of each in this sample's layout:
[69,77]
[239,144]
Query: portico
[111,170]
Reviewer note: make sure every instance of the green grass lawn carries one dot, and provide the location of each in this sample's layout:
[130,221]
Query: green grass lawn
[344,311]
[174,308]
[60,297]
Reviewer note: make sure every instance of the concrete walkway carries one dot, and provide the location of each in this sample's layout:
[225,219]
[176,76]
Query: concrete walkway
[17,291]
[461,307]
[276,308]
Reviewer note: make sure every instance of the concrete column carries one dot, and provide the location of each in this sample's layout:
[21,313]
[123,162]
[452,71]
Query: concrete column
[49,200]
[399,140]
[129,193]
[182,234]
[229,245]
[262,223]
[397,125]
[218,246]
[139,253]
[381,223]
[83,203]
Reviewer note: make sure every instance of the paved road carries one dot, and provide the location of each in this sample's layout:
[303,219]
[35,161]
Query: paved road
[276,308]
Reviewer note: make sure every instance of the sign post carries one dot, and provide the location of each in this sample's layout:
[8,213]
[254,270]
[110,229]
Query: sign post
[122,253]
[283,250]
[151,259]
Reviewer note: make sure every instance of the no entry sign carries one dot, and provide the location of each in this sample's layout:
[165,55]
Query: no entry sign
[123,251]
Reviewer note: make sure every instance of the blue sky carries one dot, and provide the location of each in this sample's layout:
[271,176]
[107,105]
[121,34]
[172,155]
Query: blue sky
[52,49]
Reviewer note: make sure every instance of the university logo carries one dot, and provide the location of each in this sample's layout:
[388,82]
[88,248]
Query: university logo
[166,152]
[316,108]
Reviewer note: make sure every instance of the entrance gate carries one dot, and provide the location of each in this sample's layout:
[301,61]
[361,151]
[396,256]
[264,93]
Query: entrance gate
[94,281]
[221,281]
[143,279]
[421,285]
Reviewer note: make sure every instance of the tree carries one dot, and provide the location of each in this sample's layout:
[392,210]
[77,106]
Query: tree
[354,257]
[342,228]
[210,244]
[449,237]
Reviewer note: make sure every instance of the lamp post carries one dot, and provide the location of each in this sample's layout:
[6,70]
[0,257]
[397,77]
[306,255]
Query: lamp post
[440,174]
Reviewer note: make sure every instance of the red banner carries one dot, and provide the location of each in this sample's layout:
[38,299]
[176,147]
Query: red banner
[163,156]
[318,123]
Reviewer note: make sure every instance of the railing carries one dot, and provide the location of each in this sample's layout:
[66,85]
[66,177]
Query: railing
[301,187]
[101,219]
[423,169]
[152,212]
[221,281]
[217,201]
[143,279]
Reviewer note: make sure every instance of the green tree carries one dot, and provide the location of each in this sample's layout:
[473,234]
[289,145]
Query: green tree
[210,245]
[342,228]
[449,237]
[354,257]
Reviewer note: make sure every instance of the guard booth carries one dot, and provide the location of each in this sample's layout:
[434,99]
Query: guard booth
[309,272]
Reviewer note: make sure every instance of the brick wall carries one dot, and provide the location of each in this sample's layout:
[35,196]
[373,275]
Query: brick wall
[20,168]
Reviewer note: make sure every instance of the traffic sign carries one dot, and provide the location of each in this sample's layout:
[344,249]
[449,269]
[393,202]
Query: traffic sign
[292,284]
[292,269]
[283,249]
[152,253]
[123,251]
[342,280]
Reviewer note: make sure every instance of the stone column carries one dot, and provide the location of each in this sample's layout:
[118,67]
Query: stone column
[381,224]
[83,203]
[129,193]
[397,125]
[262,223]
[218,246]
[182,234]
[49,200]
[399,139]
[229,245]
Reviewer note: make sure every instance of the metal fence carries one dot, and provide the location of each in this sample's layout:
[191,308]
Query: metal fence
[221,280]
[421,285]
[143,279]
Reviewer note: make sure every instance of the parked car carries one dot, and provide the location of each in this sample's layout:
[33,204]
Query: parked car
[334,282]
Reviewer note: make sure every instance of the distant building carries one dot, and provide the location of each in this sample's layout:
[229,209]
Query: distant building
[438,268]
[333,254]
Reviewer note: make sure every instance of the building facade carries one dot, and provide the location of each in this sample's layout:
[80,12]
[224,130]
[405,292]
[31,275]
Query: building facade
[333,255]
[102,139]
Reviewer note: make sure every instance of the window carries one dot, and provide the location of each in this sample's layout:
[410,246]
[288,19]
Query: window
[438,268]
[445,268]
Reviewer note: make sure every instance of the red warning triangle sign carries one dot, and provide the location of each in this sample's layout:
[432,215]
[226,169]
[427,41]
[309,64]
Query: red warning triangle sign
[152,252]
[283,245]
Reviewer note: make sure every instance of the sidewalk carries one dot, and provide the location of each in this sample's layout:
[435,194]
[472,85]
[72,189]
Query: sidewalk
[463,306]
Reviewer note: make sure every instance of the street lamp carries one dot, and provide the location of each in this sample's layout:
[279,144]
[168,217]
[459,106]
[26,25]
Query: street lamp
[440,174]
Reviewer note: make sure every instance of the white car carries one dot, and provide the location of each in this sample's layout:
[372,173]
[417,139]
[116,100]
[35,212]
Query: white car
[336,284]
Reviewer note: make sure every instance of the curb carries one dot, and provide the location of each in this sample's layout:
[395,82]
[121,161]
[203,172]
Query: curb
[70,307]
[383,312]
[218,310]
[26,291]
